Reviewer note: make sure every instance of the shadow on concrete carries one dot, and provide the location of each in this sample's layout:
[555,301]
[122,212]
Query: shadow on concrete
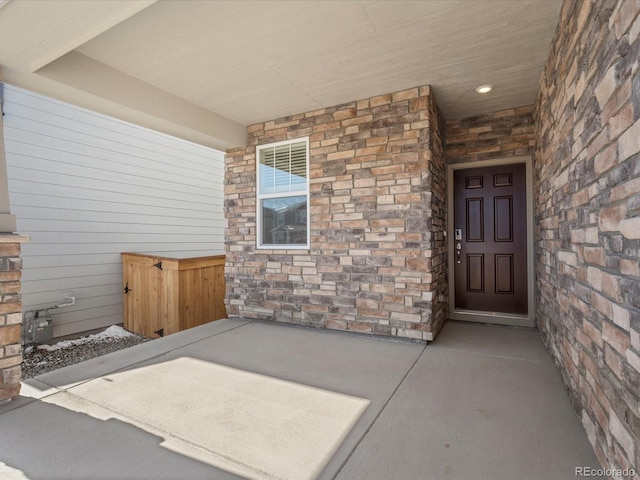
[61,444]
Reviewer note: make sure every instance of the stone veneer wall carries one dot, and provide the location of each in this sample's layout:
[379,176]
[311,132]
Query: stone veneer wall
[587,164]
[377,262]
[507,133]
[10,316]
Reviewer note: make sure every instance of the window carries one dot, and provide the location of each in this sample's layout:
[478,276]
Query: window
[283,194]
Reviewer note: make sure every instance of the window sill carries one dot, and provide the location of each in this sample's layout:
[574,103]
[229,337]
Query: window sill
[283,247]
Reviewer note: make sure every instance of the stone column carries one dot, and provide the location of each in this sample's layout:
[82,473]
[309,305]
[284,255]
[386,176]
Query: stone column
[10,316]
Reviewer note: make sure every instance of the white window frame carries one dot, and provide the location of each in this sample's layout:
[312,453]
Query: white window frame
[260,196]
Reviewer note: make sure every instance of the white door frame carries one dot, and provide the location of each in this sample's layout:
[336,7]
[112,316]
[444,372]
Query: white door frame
[527,320]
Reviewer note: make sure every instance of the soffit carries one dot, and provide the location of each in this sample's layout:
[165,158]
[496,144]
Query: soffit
[250,61]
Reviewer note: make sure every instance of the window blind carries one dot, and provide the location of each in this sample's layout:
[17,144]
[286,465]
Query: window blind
[283,168]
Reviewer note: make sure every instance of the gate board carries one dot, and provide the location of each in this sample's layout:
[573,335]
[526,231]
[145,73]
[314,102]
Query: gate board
[490,213]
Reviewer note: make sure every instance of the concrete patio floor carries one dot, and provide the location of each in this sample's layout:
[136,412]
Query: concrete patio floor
[243,399]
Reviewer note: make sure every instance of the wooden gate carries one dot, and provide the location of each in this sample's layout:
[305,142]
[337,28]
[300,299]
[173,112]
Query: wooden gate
[165,295]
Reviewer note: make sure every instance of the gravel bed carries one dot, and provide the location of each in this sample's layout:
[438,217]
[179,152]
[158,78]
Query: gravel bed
[39,361]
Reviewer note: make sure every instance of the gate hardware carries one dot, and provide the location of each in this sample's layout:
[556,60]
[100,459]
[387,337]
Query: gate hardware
[158,265]
[126,288]
[159,332]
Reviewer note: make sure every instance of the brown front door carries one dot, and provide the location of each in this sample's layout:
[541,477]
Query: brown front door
[490,239]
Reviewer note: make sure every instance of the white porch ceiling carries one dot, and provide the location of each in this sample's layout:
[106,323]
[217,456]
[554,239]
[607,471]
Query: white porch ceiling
[203,70]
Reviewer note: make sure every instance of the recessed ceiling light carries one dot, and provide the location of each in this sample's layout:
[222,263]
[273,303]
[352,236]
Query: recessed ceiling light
[484,88]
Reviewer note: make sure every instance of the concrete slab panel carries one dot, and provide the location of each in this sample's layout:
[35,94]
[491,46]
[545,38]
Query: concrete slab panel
[364,367]
[461,415]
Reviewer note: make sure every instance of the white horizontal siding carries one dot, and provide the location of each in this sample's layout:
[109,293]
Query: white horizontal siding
[86,187]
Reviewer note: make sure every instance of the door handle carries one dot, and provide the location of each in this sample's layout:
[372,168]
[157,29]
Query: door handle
[458,251]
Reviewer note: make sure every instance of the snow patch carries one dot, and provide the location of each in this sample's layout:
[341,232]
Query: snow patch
[114,331]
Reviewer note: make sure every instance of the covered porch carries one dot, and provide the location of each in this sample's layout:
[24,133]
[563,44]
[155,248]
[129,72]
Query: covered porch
[567,77]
